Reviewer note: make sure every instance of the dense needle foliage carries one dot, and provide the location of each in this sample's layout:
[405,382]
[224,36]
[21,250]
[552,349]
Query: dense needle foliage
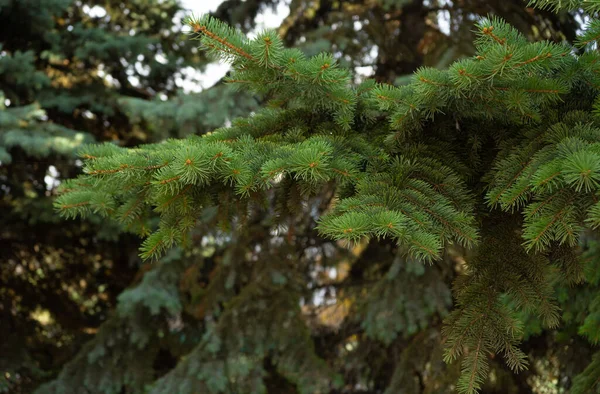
[352,236]
[512,129]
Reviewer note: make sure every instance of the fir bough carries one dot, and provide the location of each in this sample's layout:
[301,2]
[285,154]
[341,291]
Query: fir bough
[399,159]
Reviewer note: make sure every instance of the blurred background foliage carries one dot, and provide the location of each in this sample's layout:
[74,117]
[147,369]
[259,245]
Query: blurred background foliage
[80,312]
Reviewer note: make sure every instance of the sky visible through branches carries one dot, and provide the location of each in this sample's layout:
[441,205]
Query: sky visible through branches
[214,72]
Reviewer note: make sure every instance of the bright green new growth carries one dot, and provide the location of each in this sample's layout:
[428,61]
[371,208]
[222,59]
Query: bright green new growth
[391,154]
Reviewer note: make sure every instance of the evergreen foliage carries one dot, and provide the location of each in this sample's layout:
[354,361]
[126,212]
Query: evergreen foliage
[409,166]
[187,114]
[291,244]
[129,341]
[73,73]
[404,306]
[25,127]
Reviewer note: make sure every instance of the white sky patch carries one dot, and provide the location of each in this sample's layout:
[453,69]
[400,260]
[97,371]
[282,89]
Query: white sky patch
[142,69]
[443,18]
[583,21]
[107,77]
[134,81]
[365,72]
[201,6]
[193,81]
[51,178]
[332,273]
[324,297]
[160,58]
[95,11]
[272,19]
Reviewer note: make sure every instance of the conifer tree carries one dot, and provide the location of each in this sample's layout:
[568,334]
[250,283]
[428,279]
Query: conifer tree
[492,164]
[378,326]
[73,73]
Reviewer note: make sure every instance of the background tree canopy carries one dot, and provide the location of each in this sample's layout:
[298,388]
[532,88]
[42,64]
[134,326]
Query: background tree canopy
[381,196]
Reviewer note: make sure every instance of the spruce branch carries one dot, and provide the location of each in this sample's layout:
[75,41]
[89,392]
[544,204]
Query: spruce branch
[397,160]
